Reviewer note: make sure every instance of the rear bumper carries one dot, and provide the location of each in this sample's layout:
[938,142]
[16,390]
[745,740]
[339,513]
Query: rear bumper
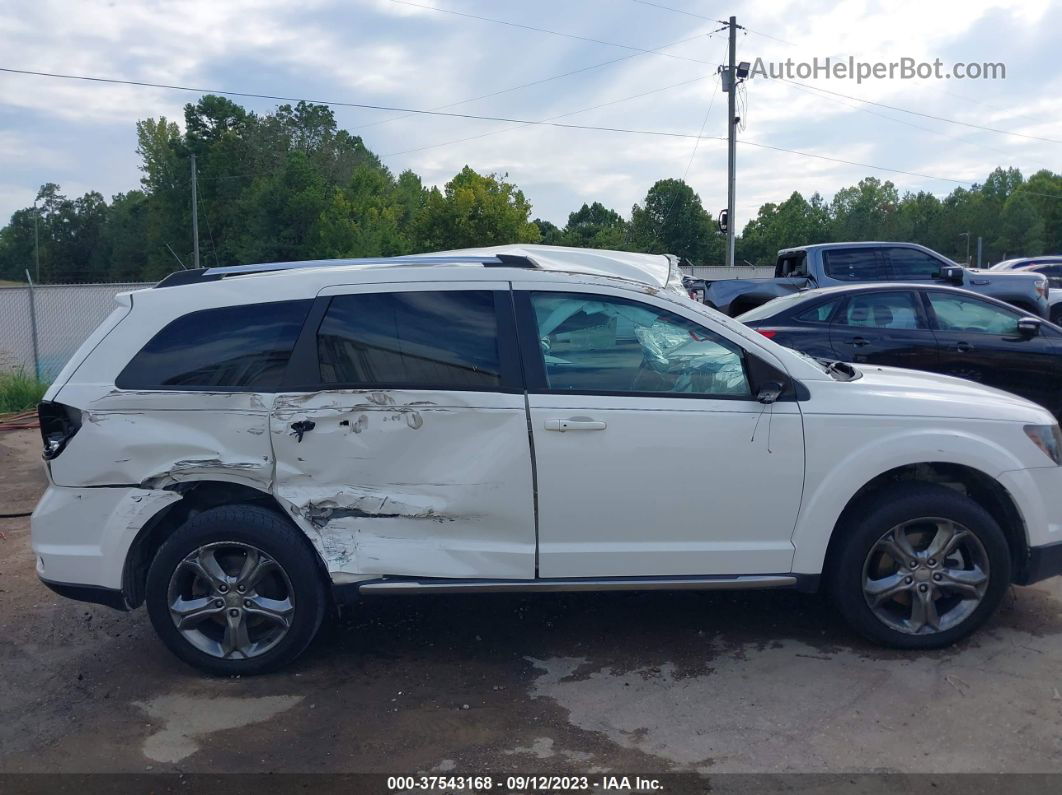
[1043,562]
[95,594]
[81,536]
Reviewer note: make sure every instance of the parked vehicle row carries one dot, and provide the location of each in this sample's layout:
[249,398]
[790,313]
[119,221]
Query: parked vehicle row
[244,448]
[845,264]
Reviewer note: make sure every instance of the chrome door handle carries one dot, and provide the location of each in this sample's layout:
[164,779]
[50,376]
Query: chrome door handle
[963,347]
[576,424]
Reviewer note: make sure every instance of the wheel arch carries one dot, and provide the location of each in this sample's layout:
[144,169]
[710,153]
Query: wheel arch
[970,481]
[196,496]
[960,457]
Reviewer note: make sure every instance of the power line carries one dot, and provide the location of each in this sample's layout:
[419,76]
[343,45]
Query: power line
[924,115]
[711,19]
[546,30]
[676,10]
[815,92]
[536,82]
[476,117]
[550,118]
[846,96]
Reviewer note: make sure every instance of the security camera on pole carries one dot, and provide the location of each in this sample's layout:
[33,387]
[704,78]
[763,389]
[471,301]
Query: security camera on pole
[732,75]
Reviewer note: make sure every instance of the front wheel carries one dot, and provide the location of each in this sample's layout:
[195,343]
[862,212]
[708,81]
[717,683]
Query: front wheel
[235,590]
[919,567]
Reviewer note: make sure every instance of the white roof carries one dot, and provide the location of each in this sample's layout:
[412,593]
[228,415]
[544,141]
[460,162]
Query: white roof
[651,269]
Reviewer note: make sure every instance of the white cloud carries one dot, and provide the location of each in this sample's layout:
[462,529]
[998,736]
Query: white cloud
[386,53]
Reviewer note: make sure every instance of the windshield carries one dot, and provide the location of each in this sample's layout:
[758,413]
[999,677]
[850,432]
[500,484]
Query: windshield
[772,307]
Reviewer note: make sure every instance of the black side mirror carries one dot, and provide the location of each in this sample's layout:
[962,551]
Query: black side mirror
[1029,327]
[770,392]
[951,275]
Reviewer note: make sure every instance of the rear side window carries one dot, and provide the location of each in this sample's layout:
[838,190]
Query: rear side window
[820,313]
[444,339]
[234,347]
[855,264]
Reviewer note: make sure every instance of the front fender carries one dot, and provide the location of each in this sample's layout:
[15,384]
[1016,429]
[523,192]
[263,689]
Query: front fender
[835,473]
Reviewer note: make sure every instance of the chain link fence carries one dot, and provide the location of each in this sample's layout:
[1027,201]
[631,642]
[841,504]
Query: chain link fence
[41,326]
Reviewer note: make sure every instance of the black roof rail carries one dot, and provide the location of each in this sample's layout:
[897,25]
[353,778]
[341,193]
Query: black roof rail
[200,275]
[511,261]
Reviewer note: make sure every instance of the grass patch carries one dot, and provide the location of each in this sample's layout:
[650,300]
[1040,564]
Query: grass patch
[20,391]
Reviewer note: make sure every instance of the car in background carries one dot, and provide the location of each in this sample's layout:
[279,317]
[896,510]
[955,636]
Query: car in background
[1022,263]
[841,264]
[1051,267]
[922,327]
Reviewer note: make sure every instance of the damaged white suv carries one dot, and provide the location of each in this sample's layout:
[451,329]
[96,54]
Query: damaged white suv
[244,448]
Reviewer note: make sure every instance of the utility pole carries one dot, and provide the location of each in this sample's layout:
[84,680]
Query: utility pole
[731,144]
[36,241]
[195,219]
[978,251]
[732,74]
[967,236]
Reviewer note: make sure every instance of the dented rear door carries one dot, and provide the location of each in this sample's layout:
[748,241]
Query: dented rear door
[402,445]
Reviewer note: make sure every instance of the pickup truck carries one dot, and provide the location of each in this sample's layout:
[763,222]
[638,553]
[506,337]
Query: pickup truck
[837,264]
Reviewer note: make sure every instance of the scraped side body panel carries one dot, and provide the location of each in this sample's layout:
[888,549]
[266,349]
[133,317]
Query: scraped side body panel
[422,483]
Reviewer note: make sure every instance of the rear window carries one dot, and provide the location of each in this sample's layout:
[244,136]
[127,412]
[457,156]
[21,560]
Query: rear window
[855,264]
[444,339]
[235,347]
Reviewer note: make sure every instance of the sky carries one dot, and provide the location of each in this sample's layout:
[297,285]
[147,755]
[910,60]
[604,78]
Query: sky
[82,135]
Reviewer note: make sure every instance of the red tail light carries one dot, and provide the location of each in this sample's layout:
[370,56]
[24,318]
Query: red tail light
[769,333]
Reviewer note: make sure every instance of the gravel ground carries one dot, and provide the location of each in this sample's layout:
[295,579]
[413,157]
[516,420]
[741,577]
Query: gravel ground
[576,683]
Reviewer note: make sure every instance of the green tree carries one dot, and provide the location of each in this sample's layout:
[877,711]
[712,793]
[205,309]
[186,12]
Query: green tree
[474,210]
[671,220]
[864,212]
[1021,229]
[549,233]
[794,222]
[1044,190]
[595,226]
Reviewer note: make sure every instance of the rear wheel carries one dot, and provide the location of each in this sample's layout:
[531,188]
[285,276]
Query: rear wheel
[1056,314]
[235,590]
[919,567]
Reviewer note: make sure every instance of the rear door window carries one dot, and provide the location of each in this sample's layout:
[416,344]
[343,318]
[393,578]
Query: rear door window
[912,264]
[888,310]
[236,347]
[441,339]
[855,264]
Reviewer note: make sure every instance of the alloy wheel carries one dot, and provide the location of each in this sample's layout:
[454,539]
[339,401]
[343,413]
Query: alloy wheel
[925,576]
[231,600]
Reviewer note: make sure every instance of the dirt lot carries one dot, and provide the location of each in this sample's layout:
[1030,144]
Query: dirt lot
[538,684]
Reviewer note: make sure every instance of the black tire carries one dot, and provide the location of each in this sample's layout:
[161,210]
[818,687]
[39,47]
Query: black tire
[1056,314]
[903,505]
[243,526]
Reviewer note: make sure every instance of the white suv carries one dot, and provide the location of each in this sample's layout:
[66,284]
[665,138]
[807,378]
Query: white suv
[244,448]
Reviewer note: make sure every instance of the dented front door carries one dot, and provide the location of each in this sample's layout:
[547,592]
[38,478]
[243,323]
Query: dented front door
[421,481]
